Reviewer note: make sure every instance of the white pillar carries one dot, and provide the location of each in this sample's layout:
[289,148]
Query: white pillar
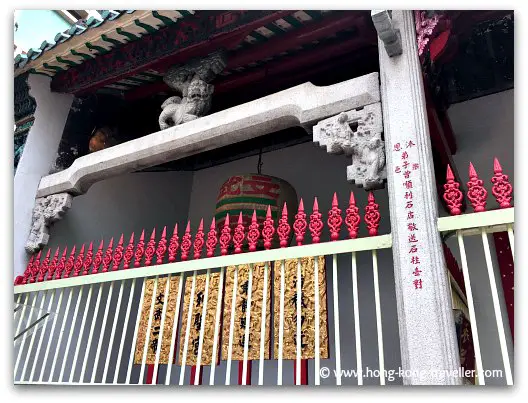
[425,318]
[37,158]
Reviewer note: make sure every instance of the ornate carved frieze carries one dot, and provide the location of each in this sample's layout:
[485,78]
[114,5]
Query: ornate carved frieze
[357,133]
[166,42]
[25,106]
[46,211]
[429,24]
[192,81]
[387,33]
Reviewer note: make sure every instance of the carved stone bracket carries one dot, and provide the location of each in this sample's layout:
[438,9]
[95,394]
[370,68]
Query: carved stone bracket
[390,36]
[46,211]
[357,133]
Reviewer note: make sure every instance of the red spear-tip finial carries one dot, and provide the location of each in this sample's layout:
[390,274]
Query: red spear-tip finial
[35,268]
[98,258]
[88,260]
[212,240]
[61,265]
[186,242]
[334,219]
[502,188]
[174,244]
[162,246]
[107,259]
[476,192]
[199,240]
[44,266]
[129,253]
[268,230]
[69,263]
[283,229]
[300,224]
[352,217]
[238,236]
[78,263]
[452,194]
[316,223]
[53,265]
[151,248]
[140,250]
[225,236]
[118,253]
[372,215]
[253,233]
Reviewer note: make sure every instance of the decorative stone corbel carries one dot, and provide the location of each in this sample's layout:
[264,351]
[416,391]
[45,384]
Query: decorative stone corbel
[390,36]
[46,211]
[357,133]
[192,81]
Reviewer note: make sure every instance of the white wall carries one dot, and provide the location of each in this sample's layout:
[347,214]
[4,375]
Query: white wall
[484,129]
[37,158]
[123,204]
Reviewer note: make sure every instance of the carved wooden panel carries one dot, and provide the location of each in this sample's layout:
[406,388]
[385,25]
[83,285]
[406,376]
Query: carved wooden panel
[196,319]
[241,306]
[289,351]
[155,329]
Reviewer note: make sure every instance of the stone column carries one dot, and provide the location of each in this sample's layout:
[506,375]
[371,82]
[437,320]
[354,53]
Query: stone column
[426,324]
[39,154]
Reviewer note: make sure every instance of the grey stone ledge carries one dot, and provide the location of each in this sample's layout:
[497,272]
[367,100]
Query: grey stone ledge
[302,105]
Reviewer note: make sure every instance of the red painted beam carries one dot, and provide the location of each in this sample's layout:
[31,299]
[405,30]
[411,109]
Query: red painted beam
[223,40]
[365,35]
[311,32]
[295,61]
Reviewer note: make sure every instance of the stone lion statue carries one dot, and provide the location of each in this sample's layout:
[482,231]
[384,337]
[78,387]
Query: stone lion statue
[192,81]
[196,102]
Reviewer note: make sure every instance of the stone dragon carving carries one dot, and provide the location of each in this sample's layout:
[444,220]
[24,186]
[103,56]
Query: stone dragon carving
[46,211]
[357,133]
[192,81]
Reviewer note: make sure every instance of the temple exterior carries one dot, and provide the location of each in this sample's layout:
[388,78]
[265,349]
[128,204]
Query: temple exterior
[266,198]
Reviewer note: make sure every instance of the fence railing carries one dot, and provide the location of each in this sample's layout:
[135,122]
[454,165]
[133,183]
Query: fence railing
[481,223]
[87,343]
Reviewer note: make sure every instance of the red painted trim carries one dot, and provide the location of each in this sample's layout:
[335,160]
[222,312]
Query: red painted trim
[248,373]
[285,64]
[150,374]
[506,268]
[193,375]
[298,37]
[304,372]
[225,40]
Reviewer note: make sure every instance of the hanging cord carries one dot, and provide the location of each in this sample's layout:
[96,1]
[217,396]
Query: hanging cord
[260,163]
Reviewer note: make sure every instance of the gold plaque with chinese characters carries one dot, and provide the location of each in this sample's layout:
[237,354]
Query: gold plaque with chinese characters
[289,349]
[241,310]
[155,328]
[197,306]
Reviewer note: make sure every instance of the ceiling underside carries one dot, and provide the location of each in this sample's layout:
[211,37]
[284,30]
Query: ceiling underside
[293,38]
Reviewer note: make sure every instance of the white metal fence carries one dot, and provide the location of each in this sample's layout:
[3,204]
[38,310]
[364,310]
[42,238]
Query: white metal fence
[88,325]
[465,228]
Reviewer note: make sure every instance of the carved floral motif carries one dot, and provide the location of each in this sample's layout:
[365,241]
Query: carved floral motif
[46,211]
[357,133]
